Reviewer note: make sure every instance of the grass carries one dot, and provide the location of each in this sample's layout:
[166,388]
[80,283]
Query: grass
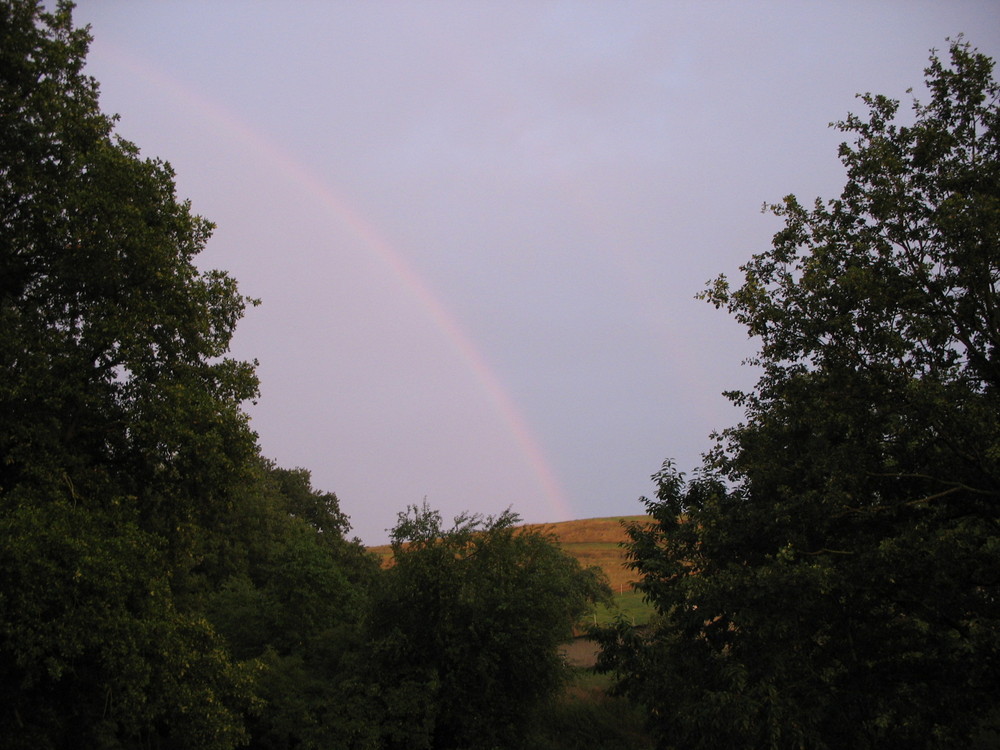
[629,605]
[596,541]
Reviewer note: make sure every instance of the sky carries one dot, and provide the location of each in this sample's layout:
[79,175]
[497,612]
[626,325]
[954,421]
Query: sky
[477,228]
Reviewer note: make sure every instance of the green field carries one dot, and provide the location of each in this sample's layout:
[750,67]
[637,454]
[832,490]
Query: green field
[629,605]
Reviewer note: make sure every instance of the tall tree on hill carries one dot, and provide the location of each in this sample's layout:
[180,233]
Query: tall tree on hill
[123,447]
[831,578]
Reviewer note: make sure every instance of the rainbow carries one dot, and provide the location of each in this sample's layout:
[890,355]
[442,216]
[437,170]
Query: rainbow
[418,289]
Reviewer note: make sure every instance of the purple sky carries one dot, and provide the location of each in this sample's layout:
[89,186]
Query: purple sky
[477,228]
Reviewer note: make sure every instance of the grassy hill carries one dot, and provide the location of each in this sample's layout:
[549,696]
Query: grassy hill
[592,541]
[595,541]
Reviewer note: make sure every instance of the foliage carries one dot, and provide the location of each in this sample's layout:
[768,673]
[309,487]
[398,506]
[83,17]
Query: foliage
[123,445]
[830,578]
[465,629]
[296,608]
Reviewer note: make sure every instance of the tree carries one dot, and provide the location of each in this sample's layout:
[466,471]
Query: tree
[296,608]
[831,576]
[466,627]
[123,448]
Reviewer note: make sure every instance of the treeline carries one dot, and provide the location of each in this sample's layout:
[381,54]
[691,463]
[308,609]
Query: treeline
[162,585]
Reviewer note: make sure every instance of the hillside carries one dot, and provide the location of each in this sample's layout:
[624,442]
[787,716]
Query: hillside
[596,541]
[592,541]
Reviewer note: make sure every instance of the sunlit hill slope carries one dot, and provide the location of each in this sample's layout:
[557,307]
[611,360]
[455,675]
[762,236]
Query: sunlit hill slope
[592,541]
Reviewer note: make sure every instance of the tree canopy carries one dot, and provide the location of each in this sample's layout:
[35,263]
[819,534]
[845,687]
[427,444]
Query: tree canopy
[121,435]
[831,576]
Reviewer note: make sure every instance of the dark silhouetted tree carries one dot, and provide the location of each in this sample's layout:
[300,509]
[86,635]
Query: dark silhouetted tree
[466,626]
[831,578]
[123,448]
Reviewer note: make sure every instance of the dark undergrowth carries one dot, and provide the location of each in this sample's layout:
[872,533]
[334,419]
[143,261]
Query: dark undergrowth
[585,716]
